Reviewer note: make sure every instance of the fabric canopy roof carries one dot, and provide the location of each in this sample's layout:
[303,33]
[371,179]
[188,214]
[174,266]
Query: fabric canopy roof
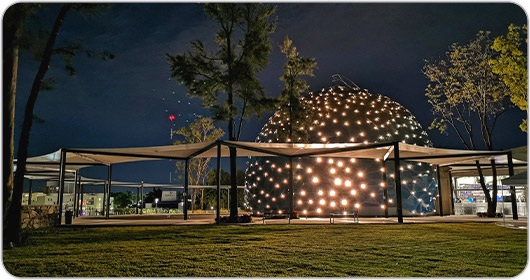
[520,179]
[80,158]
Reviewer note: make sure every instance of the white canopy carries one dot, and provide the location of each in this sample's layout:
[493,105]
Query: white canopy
[80,158]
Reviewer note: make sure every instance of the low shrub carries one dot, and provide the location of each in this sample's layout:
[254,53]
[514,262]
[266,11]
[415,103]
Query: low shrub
[245,218]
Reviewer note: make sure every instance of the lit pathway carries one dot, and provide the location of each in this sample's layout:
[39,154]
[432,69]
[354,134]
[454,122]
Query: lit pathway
[205,219]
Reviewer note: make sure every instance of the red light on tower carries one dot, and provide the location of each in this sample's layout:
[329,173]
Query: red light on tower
[171,117]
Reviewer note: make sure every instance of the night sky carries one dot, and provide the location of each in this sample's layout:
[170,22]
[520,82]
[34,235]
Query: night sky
[126,102]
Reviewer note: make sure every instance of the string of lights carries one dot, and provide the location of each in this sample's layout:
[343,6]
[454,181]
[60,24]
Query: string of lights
[325,185]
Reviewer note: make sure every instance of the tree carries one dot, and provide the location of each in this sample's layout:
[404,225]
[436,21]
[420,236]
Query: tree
[463,88]
[299,111]
[14,22]
[200,130]
[210,194]
[511,65]
[123,199]
[12,234]
[152,195]
[226,79]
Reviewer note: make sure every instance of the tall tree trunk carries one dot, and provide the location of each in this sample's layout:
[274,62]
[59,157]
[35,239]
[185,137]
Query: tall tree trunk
[231,133]
[14,210]
[193,201]
[11,33]
[491,210]
[495,191]
[202,199]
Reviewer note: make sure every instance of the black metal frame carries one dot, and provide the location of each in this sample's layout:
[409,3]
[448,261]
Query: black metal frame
[219,143]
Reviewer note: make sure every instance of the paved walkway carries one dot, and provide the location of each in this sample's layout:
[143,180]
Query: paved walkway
[205,219]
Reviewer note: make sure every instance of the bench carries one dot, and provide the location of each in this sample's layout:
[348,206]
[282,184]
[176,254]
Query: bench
[272,215]
[354,215]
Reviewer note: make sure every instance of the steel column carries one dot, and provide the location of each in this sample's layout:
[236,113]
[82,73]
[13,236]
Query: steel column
[512,188]
[218,175]
[30,191]
[452,192]
[74,200]
[291,190]
[186,187]
[61,183]
[142,198]
[439,188]
[109,187]
[397,179]
[78,201]
[385,188]
[82,190]
[137,198]
[104,199]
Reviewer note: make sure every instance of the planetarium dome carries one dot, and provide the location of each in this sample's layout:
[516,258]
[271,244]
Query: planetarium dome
[324,185]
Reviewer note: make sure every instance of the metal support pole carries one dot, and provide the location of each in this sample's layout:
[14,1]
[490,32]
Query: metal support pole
[385,189]
[109,187]
[186,187]
[218,175]
[291,190]
[104,199]
[82,198]
[142,198]
[438,184]
[512,188]
[30,191]
[74,200]
[452,192]
[77,197]
[137,199]
[61,183]
[397,179]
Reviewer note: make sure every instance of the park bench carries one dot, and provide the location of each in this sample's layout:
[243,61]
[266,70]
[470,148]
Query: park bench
[272,215]
[354,215]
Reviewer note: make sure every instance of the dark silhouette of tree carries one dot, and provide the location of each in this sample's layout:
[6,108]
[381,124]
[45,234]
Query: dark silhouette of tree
[300,113]
[152,195]
[12,233]
[123,199]
[13,25]
[226,79]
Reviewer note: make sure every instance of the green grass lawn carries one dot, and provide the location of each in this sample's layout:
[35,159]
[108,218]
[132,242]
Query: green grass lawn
[454,250]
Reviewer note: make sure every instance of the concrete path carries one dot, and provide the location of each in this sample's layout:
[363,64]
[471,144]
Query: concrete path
[205,219]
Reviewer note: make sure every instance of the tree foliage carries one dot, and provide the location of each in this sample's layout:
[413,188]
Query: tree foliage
[39,83]
[226,78]
[201,130]
[299,113]
[463,87]
[151,196]
[220,77]
[210,194]
[511,65]
[123,199]
[14,22]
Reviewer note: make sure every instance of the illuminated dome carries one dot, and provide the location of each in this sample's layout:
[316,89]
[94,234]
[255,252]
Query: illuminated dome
[324,185]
